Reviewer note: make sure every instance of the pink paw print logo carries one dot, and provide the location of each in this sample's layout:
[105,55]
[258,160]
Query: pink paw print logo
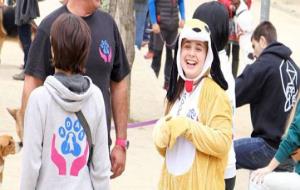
[72,134]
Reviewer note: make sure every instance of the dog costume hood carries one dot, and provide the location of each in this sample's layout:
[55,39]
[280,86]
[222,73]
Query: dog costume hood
[195,29]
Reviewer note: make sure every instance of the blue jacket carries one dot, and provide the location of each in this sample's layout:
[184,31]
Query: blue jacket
[167,12]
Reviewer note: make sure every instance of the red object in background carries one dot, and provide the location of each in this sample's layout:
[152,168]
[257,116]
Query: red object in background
[248,3]
[227,4]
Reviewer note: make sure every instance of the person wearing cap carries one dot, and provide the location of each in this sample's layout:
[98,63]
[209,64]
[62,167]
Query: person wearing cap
[194,136]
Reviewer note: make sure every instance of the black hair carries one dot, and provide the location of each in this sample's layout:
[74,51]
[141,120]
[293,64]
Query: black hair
[215,15]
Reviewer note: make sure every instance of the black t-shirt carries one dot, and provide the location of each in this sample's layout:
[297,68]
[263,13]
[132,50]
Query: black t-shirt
[106,61]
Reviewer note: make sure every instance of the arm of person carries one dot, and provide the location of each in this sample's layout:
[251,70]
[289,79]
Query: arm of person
[296,155]
[259,174]
[182,13]
[100,166]
[286,147]
[161,135]
[32,150]
[119,99]
[119,102]
[30,83]
[215,138]
[249,84]
[152,13]
[291,141]
[36,67]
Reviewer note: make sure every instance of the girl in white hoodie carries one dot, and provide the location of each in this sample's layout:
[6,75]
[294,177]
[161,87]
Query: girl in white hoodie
[56,151]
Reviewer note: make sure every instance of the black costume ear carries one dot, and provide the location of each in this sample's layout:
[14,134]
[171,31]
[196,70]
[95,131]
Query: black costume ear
[215,71]
[171,93]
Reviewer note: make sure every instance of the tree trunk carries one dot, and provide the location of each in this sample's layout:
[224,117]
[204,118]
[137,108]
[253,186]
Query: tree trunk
[123,13]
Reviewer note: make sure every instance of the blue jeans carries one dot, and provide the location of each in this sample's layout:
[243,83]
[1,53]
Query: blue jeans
[254,153]
[141,10]
[24,32]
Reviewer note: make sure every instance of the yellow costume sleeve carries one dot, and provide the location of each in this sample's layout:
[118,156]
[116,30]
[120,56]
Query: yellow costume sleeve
[161,135]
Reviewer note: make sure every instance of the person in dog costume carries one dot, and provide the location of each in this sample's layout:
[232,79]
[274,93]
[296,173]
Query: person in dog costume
[195,135]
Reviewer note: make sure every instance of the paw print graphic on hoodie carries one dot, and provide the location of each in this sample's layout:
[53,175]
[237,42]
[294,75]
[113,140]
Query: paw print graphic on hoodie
[72,133]
[69,148]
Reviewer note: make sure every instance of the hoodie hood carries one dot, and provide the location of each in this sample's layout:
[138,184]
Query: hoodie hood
[278,49]
[70,92]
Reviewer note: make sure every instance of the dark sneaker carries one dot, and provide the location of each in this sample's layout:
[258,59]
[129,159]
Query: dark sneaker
[20,76]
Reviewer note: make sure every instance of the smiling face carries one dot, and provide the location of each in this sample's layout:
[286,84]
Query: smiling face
[192,57]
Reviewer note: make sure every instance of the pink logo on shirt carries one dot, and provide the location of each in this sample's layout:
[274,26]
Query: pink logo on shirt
[105,51]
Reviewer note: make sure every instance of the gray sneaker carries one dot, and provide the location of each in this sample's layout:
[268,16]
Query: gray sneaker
[20,76]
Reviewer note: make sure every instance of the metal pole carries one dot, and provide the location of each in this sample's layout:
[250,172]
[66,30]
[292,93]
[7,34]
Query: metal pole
[265,10]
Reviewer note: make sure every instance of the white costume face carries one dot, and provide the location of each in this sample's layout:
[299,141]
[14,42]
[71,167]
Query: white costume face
[192,57]
[195,56]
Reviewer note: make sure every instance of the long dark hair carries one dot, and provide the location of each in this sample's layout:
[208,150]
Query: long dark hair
[215,15]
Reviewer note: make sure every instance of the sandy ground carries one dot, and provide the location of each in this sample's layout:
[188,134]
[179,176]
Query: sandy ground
[147,96]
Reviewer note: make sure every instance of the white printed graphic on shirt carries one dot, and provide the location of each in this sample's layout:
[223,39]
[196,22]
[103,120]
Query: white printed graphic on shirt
[289,84]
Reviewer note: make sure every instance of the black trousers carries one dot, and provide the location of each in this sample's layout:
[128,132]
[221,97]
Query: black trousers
[156,63]
[233,48]
[230,183]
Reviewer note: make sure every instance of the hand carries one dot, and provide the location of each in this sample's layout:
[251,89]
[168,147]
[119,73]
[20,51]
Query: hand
[161,133]
[155,28]
[259,174]
[178,126]
[181,23]
[118,160]
[296,155]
